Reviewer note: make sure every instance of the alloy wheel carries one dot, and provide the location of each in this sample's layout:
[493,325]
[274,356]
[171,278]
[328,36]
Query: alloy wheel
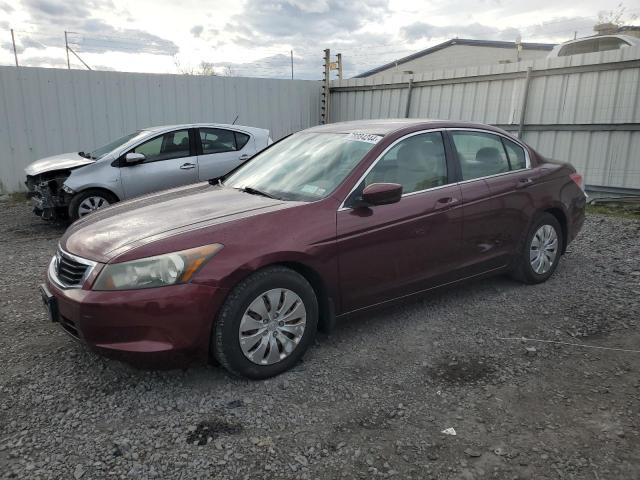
[91,204]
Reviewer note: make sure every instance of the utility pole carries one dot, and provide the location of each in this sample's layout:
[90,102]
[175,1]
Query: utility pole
[69,49]
[66,46]
[324,105]
[15,53]
[339,55]
[291,64]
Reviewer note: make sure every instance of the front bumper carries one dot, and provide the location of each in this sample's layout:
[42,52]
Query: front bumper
[134,324]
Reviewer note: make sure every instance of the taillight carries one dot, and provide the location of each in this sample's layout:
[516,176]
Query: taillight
[577,178]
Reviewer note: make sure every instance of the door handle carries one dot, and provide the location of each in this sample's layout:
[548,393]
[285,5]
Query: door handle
[445,202]
[187,166]
[524,182]
[244,156]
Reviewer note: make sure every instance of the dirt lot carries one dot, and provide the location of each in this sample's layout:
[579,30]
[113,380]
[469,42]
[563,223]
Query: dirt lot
[369,401]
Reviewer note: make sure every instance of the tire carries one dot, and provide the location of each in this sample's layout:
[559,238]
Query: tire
[238,326]
[84,198]
[531,273]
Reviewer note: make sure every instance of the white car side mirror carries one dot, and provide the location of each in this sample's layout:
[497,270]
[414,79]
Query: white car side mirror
[133,157]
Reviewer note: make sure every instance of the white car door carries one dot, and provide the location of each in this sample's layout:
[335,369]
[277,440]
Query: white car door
[222,150]
[168,163]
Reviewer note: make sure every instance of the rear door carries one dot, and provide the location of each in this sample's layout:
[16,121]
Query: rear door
[389,251]
[221,150]
[170,161]
[495,176]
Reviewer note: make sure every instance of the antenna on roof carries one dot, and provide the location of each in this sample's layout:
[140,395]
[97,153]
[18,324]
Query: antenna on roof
[235,120]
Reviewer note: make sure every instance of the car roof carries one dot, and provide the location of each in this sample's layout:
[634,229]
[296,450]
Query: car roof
[627,38]
[386,126]
[165,128]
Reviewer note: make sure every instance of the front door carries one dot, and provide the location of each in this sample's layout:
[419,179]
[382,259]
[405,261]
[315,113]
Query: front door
[168,163]
[389,251]
[221,151]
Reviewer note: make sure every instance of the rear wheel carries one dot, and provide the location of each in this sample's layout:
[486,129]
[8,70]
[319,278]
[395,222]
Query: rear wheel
[89,201]
[541,252]
[266,324]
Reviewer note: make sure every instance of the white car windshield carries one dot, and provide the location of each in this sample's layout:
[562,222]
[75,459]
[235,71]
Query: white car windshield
[98,153]
[304,166]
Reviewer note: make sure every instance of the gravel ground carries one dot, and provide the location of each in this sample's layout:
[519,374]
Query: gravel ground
[369,401]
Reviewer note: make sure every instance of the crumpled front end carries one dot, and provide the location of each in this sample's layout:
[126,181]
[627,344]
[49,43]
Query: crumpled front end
[48,198]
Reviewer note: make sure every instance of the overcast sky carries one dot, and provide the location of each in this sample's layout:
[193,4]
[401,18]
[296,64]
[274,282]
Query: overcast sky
[255,37]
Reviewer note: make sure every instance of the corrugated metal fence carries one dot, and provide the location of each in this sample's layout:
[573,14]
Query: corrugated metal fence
[584,109]
[49,111]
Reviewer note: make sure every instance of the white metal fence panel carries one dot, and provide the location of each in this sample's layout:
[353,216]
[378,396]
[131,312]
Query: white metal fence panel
[584,109]
[49,111]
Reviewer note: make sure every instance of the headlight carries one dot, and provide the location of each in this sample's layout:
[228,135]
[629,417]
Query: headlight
[70,191]
[158,271]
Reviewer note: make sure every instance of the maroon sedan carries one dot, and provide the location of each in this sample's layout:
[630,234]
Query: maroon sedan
[328,221]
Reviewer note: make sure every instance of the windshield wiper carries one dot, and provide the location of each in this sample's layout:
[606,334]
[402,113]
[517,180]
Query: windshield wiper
[255,191]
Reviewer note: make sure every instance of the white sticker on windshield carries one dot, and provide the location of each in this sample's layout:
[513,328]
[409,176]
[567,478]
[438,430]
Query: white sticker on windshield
[309,189]
[364,137]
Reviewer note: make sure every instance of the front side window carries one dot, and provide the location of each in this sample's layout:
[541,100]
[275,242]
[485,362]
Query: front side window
[165,147]
[417,163]
[304,166]
[480,154]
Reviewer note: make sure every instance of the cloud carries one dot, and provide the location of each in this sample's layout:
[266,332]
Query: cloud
[42,61]
[196,30]
[562,28]
[5,7]
[421,30]
[93,34]
[289,19]
[9,46]
[50,8]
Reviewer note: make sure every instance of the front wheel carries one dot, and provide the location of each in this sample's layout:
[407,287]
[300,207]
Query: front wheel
[266,324]
[541,253]
[84,203]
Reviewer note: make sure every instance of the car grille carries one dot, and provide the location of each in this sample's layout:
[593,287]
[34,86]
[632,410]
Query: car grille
[70,271]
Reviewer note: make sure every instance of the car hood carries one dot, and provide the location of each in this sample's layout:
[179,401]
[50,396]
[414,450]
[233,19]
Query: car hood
[108,233]
[57,162]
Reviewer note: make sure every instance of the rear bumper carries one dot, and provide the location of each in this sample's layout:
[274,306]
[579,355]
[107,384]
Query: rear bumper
[139,325]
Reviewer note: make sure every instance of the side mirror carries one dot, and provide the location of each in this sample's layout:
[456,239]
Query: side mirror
[132,158]
[382,193]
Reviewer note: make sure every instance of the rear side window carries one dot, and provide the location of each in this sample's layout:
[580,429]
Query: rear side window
[241,140]
[480,154]
[611,43]
[217,140]
[516,154]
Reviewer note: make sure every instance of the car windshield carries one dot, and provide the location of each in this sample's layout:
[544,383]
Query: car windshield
[304,166]
[98,153]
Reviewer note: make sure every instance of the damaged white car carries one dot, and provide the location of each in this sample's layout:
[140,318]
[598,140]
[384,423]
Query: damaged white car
[72,185]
